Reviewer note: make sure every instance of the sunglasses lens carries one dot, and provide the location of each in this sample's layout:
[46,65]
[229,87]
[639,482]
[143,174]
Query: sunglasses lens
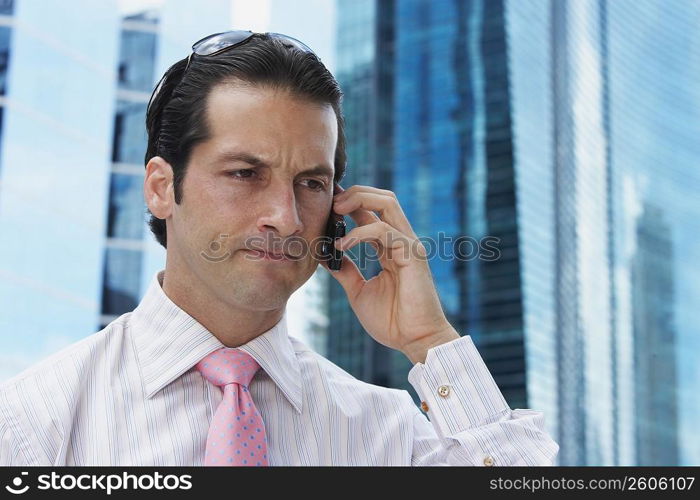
[293,42]
[214,43]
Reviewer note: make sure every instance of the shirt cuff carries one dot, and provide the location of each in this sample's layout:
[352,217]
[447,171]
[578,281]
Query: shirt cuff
[456,388]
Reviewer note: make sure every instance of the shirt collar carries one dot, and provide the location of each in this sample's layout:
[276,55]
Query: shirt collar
[169,342]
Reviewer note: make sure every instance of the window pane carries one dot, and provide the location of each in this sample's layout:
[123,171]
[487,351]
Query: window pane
[5,34]
[7,7]
[121,280]
[126,207]
[136,59]
[129,133]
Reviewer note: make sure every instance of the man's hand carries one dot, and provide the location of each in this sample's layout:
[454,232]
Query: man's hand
[399,307]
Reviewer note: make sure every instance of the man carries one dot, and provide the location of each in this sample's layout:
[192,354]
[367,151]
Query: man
[245,143]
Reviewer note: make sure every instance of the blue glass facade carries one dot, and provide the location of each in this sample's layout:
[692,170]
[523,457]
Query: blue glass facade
[655,340]
[5,36]
[655,122]
[6,20]
[129,131]
[567,131]
[604,111]
[427,112]
[126,216]
[529,60]
[7,7]
[365,71]
[137,53]
[57,114]
[454,170]
[125,219]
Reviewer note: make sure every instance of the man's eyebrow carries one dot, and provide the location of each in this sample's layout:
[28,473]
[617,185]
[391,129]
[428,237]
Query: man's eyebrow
[231,156]
[319,170]
[251,159]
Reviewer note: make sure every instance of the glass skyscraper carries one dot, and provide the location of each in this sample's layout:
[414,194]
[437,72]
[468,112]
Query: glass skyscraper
[365,72]
[564,130]
[560,119]
[655,121]
[605,108]
[126,216]
[427,111]
[57,111]
[655,343]
[6,23]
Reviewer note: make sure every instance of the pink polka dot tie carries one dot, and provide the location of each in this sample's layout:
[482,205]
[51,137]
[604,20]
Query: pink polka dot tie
[236,434]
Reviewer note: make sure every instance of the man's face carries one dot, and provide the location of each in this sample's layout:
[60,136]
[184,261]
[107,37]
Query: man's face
[230,205]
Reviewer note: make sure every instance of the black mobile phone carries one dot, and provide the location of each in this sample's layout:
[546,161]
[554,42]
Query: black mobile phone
[335,228]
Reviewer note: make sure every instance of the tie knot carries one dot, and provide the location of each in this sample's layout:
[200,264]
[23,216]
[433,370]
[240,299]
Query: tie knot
[228,366]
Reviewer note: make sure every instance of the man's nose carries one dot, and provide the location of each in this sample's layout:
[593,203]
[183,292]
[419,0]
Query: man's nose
[280,212]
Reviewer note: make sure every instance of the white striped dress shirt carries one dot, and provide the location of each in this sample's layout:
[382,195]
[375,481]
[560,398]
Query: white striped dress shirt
[130,395]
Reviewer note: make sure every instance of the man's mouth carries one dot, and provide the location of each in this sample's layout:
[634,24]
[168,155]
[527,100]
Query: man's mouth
[270,256]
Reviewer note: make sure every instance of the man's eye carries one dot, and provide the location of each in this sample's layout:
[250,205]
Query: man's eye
[315,185]
[247,173]
[242,174]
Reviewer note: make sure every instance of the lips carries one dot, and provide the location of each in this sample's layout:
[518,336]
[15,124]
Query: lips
[264,254]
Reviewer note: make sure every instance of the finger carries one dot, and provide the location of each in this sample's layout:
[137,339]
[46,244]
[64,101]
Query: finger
[387,208]
[362,217]
[359,188]
[388,242]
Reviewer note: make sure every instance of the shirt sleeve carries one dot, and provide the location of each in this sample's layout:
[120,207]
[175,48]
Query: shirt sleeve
[468,420]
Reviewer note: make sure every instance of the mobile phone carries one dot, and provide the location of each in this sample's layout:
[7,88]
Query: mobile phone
[335,228]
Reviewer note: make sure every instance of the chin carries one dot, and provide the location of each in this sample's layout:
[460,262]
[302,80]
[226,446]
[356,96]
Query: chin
[260,294]
[266,303]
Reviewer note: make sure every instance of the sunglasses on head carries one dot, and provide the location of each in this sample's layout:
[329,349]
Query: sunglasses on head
[221,42]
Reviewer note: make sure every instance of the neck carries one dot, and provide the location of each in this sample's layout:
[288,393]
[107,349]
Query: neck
[233,326]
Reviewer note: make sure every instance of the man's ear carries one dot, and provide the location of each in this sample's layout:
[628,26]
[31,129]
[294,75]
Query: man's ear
[158,187]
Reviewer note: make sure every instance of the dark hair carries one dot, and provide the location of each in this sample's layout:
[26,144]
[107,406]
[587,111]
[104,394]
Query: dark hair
[176,121]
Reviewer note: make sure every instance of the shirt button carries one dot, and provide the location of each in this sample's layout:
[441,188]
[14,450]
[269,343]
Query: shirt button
[424,406]
[444,391]
[488,461]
